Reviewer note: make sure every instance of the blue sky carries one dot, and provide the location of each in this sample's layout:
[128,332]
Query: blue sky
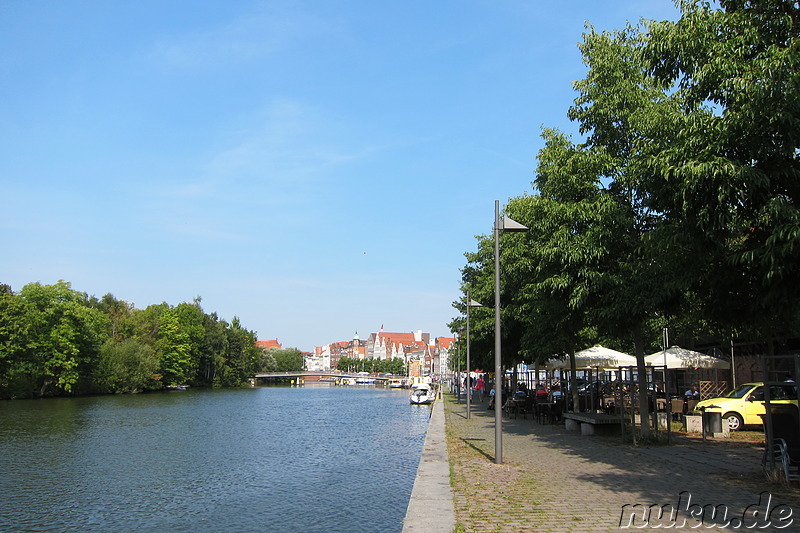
[315,168]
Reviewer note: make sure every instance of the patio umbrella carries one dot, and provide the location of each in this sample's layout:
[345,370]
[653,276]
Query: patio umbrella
[676,357]
[596,357]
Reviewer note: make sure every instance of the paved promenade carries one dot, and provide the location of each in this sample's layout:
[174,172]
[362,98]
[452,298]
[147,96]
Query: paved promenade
[554,480]
[430,509]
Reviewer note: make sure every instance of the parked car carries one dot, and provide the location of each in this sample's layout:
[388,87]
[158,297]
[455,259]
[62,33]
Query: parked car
[743,405]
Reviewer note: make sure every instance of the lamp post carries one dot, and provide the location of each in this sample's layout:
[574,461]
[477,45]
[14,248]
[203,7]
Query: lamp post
[500,224]
[470,303]
[458,370]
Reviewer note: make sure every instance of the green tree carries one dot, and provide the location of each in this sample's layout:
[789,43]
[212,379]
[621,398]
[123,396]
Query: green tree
[175,348]
[562,261]
[620,109]
[126,366]
[727,174]
[242,357]
[52,340]
[288,359]
[266,361]
[213,350]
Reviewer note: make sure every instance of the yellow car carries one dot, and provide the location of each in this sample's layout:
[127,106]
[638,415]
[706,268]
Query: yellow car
[743,405]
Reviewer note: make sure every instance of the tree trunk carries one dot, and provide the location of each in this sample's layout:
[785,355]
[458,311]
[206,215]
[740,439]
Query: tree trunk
[573,382]
[46,383]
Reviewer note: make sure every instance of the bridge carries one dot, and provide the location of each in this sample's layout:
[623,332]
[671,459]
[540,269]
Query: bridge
[319,376]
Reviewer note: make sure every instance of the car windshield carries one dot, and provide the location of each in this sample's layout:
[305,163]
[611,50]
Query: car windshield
[739,391]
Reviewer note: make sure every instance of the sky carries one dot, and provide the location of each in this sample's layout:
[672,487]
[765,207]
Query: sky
[316,168]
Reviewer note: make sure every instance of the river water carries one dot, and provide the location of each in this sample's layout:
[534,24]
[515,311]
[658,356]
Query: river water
[315,458]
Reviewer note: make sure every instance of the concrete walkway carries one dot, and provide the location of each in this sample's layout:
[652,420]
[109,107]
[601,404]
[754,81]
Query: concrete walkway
[554,480]
[431,508]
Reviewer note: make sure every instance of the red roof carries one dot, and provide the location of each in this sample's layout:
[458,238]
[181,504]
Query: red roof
[268,344]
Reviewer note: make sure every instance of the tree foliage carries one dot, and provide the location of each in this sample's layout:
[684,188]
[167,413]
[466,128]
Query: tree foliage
[680,205]
[55,340]
[394,366]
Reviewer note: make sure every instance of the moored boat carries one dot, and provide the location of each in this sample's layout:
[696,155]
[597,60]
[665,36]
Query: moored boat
[365,377]
[422,393]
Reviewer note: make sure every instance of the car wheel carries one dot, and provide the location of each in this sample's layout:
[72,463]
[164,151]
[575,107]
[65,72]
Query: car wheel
[734,421]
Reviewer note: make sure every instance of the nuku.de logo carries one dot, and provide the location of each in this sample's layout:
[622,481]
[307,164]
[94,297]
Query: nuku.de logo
[759,515]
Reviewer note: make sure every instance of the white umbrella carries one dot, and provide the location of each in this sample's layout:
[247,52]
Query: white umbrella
[594,357]
[676,357]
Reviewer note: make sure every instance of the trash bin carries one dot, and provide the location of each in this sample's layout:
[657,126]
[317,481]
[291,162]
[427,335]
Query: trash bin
[712,423]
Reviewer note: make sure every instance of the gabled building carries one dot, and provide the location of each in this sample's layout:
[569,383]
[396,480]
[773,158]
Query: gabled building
[441,356]
[383,345]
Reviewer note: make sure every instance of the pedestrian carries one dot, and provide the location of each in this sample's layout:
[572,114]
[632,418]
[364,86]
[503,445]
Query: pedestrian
[479,386]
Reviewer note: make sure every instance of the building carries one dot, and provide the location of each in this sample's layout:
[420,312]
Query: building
[441,356]
[383,345]
[354,349]
[414,348]
[269,344]
[319,361]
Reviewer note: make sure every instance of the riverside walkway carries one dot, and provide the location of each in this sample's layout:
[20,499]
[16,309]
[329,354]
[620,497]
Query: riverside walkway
[554,480]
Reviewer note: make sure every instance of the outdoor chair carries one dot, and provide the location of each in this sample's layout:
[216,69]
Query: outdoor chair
[690,405]
[661,404]
[543,412]
[525,407]
[677,408]
[785,445]
[557,411]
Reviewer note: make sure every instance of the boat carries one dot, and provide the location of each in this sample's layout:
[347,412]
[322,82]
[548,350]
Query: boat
[422,393]
[364,377]
[395,383]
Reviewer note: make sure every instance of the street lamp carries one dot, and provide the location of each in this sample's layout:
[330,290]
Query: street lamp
[470,303]
[458,368]
[500,224]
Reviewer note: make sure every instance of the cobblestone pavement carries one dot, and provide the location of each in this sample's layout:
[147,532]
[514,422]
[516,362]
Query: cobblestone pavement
[554,480]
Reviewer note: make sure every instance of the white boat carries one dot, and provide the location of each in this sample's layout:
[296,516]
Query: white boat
[422,393]
[364,377]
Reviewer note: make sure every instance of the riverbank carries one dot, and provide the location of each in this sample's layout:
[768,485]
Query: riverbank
[430,508]
[554,480]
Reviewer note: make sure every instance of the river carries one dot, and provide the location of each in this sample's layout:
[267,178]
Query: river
[307,459]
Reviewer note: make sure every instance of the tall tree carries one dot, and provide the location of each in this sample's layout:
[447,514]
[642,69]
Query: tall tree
[620,109]
[574,227]
[54,340]
[728,176]
[175,347]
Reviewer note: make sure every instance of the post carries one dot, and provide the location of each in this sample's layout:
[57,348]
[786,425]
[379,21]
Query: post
[467,381]
[458,372]
[498,370]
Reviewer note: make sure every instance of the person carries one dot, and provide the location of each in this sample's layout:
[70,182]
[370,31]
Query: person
[479,386]
[491,398]
[692,393]
[555,393]
[541,393]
